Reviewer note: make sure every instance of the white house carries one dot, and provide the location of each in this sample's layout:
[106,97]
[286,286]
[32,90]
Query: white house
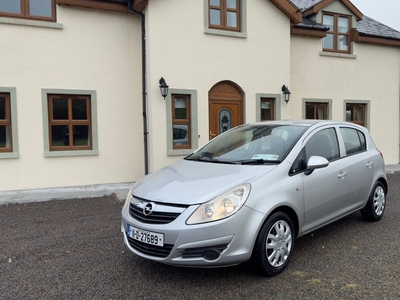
[80,101]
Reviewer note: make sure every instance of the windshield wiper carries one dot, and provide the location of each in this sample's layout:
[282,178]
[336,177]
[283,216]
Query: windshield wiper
[259,161]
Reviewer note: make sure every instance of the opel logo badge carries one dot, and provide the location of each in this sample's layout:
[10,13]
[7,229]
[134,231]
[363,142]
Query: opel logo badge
[148,208]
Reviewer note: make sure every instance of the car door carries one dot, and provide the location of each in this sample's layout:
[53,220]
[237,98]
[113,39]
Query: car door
[325,190]
[361,166]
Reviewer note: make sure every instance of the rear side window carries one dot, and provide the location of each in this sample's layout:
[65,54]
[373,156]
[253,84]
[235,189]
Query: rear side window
[354,140]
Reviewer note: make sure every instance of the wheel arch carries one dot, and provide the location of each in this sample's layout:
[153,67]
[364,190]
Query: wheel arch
[385,184]
[290,213]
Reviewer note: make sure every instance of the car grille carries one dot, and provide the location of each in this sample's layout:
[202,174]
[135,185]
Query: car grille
[150,250]
[161,214]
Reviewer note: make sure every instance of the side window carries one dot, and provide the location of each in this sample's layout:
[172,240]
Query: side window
[44,10]
[5,123]
[70,125]
[317,110]
[354,140]
[338,35]
[181,121]
[324,143]
[355,112]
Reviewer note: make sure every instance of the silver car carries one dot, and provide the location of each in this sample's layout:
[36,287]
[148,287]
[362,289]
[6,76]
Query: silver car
[250,192]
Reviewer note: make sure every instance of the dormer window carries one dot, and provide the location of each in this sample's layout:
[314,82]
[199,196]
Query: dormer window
[42,10]
[338,35]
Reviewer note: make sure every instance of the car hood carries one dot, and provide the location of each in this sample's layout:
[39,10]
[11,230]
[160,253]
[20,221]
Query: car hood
[191,182]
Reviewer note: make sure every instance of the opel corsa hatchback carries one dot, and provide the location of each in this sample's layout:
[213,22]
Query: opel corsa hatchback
[250,192]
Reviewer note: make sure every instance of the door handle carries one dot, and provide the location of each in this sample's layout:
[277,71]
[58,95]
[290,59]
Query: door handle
[212,135]
[369,164]
[342,174]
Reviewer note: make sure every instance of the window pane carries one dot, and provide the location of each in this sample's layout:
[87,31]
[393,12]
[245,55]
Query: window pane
[309,111]
[215,17]
[359,113]
[79,109]
[40,8]
[266,110]
[180,109]
[5,137]
[349,114]
[343,42]
[180,134]
[352,141]
[324,143]
[231,19]
[320,112]
[81,135]
[215,2]
[10,6]
[2,108]
[343,25]
[328,21]
[328,41]
[231,4]
[60,135]
[60,109]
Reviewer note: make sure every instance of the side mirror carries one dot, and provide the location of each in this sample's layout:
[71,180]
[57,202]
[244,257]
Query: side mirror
[316,162]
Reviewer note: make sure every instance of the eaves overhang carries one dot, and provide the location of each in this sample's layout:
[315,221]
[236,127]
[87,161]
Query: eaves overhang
[289,9]
[120,6]
[322,4]
[360,37]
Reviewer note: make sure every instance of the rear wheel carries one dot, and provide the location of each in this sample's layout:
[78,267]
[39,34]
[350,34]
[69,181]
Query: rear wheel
[274,245]
[376,204]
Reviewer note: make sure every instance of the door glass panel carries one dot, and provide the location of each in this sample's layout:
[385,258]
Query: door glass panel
[231,4]
[10,6]
[2,108]
[231,19]
[60,109]
[81,135]
[215,17]
[343,25]
[40,8]
[225,120]
[79,109]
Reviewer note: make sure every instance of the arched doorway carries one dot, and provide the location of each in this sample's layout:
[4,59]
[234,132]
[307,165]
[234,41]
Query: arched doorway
[225,107]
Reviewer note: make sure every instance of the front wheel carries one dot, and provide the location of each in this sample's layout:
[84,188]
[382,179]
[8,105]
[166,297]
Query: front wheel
[274,245]
[375,207]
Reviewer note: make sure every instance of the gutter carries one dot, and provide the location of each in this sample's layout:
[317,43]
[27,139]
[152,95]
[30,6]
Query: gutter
[144,94]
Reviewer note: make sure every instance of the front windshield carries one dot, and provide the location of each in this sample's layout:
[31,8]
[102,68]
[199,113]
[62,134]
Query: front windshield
[250,144]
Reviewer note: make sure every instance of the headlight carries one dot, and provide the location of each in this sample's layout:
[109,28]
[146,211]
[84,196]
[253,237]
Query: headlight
[220,207]
[129,195]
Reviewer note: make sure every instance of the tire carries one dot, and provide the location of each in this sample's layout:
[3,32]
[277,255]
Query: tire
[274,245]
[375,207]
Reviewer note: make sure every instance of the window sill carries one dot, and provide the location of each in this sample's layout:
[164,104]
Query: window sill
[33,23]
[179,152]
[341,55]
[226,33]
[71,153]
[6,155]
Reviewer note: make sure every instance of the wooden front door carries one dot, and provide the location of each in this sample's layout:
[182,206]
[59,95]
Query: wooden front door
[225,108]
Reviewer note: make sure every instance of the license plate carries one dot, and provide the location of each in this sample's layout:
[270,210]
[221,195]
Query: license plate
[148,237]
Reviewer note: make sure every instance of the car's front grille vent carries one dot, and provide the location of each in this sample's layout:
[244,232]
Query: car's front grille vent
[151,212]
[150,250]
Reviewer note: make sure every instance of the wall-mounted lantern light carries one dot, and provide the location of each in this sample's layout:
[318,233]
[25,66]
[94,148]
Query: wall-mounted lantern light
[163,87]
[286,93]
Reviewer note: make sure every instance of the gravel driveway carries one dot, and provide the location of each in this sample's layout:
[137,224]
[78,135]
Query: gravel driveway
[73,249]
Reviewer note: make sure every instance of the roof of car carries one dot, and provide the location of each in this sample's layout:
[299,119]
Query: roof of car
[307,123]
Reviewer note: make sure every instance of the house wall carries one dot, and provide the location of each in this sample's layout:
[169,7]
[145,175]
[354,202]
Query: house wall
[363,77]
[96,51]
[188,58]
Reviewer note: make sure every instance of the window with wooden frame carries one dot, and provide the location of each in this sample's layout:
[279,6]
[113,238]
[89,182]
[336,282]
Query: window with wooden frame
[338,35]
[355,113]
[267,109]
[317,110]
[6,144]
[43,10]
[181,121]
[70,122]
[224,14]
